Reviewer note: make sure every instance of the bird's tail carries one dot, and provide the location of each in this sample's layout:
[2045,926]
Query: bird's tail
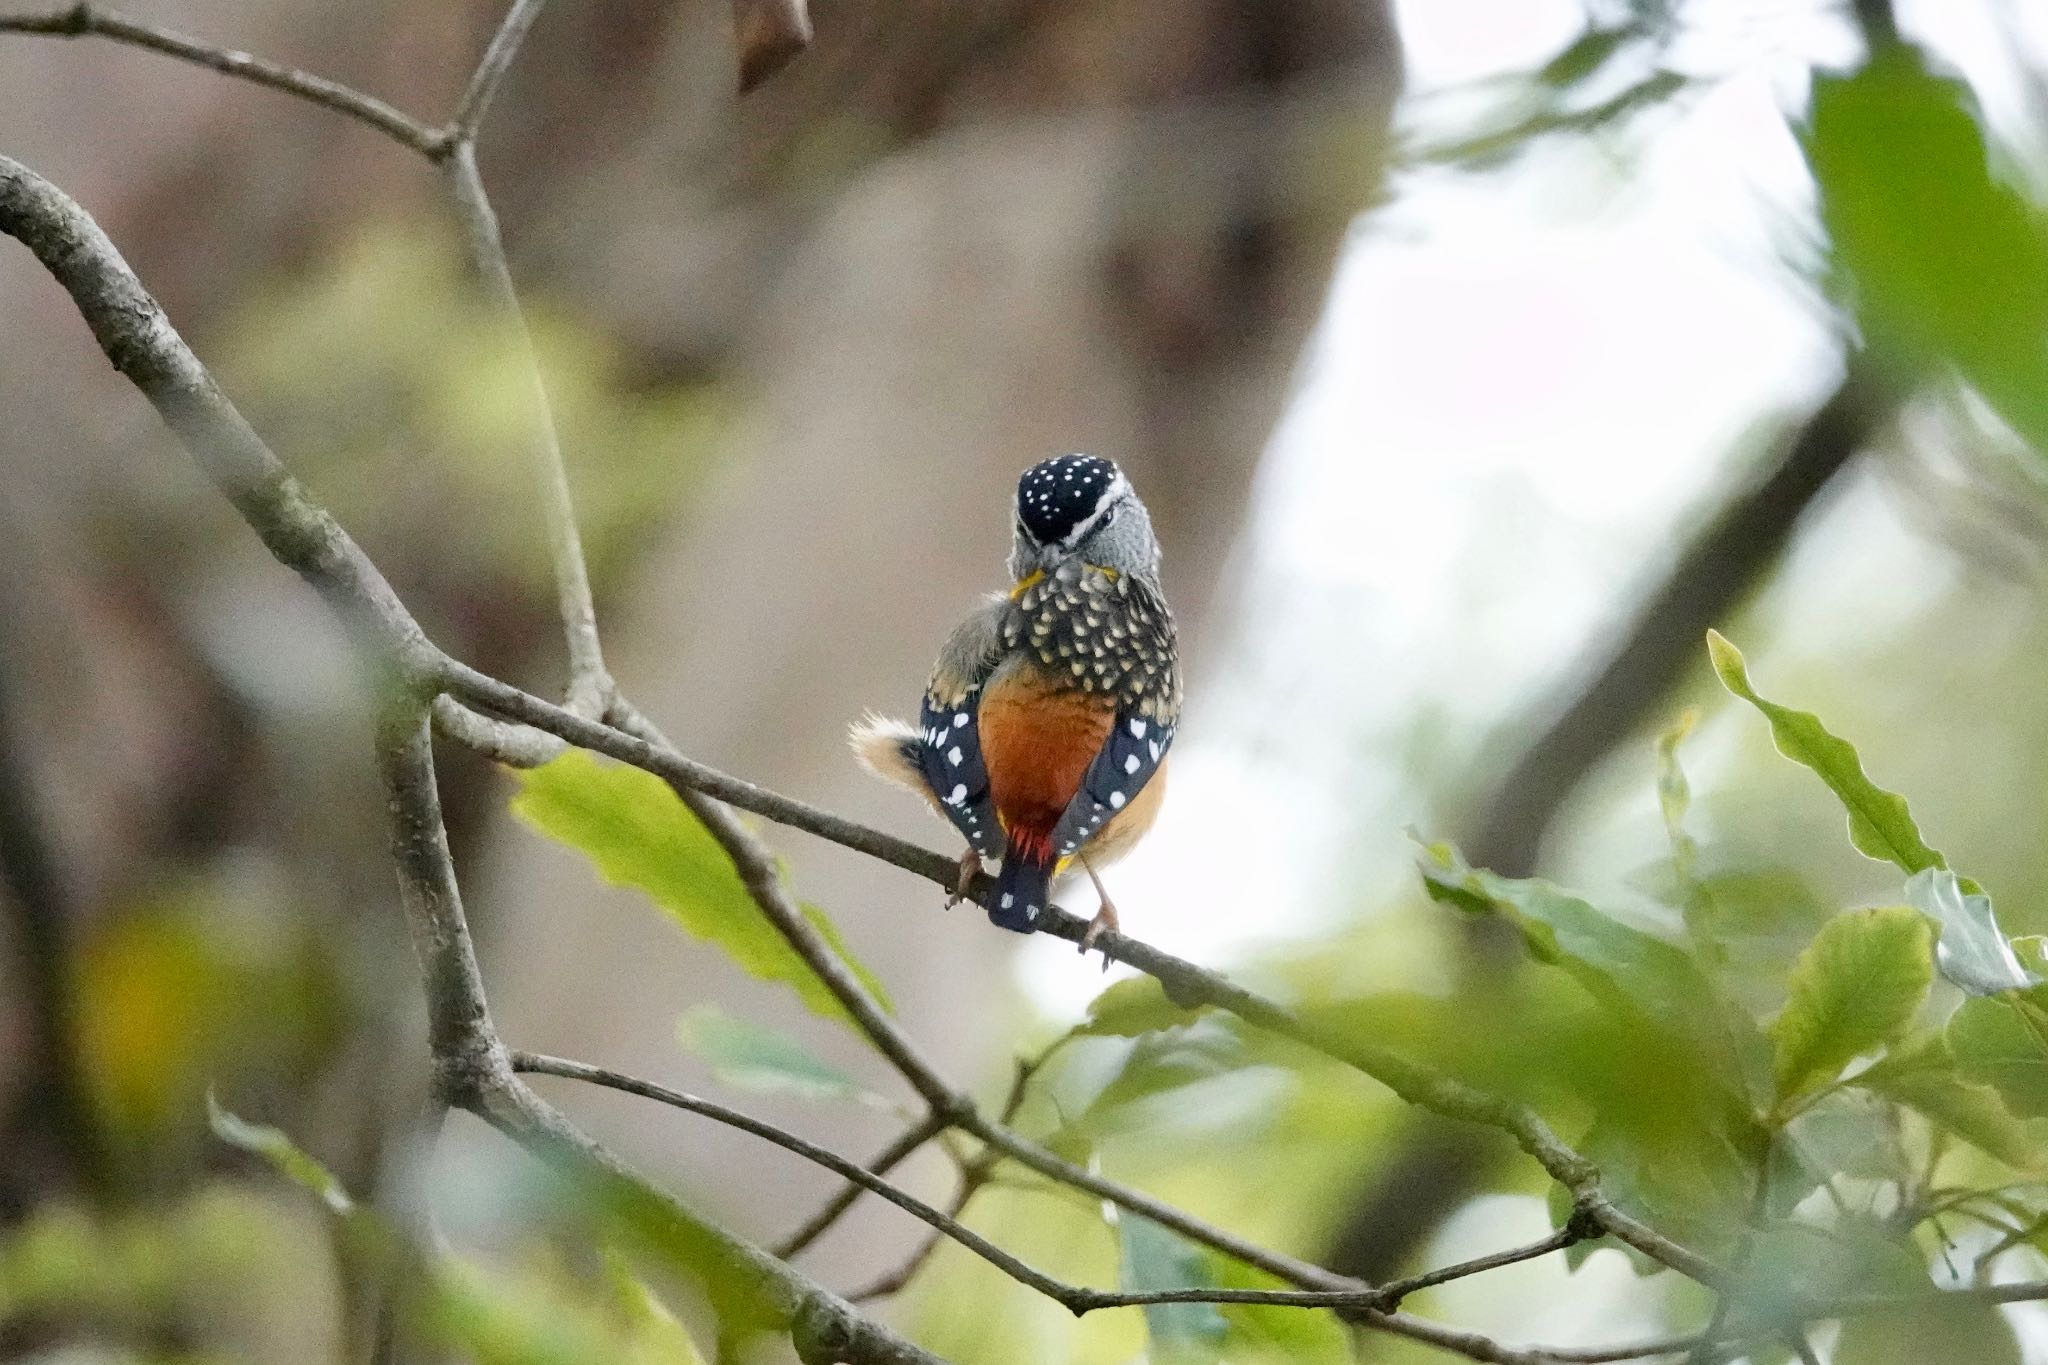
[888,749]
[1024,885]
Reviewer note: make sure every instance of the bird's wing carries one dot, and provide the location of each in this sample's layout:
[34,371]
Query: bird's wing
[1119,771]
[949,728]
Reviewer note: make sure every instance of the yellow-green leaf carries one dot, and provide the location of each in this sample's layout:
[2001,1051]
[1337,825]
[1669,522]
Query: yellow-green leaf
[1857,985]
[638,834]
[1880,825]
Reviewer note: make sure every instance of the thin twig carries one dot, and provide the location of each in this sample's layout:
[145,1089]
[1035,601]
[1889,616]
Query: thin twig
[1571,1234]
[490,71]
[975,1176]
[89,21]
[590,686]
[884,1161]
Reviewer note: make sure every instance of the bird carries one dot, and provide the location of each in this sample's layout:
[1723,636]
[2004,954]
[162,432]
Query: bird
[1045,726]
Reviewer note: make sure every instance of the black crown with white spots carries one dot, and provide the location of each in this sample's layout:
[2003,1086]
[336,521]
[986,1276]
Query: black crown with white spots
[1055,496]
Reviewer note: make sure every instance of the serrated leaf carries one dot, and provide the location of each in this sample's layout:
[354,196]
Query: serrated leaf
[2002,1041]
[1972,950]
[1948,263]
[1134,1006]
[638,834]
[751,1056]
[1857,985]
[1154,1259]
[1880,825]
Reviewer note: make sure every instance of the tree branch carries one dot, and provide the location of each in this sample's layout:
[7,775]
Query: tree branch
[89,21]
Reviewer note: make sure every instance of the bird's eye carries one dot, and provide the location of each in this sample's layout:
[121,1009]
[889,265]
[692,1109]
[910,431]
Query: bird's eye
[1110,520]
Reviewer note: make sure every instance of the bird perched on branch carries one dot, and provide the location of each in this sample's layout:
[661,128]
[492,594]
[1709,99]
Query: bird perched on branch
[1045,726]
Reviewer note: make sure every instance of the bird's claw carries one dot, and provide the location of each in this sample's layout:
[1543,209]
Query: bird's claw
[970,868]
[1104,922]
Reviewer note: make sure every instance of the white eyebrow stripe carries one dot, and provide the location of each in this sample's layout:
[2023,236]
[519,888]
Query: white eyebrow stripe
[1117,488]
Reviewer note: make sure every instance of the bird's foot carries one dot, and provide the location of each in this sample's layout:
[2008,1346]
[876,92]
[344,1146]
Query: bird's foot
[1104,922]
[971,867]
[1105,917]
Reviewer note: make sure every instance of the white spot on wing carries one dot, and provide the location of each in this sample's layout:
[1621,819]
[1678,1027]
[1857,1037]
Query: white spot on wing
[1130,764]
[1115,799]
[953,756]
[1137,728]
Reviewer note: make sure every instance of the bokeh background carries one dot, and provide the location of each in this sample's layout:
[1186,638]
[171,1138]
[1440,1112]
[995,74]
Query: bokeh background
[1473,356]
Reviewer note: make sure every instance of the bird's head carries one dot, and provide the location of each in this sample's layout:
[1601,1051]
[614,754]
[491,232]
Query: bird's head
[1081,507]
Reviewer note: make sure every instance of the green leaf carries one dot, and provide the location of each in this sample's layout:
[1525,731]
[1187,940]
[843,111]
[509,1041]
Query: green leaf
[750,1056]
[1927,1083]
[2002,1041]
[1134,1006]
[639,834]
[1856,986]
[1747,926]
[1949,264]
[1846,1133]
[1688,1180]
[284,1155]
[652,1331]
[1972,951]
[1155,1259]
[1932,1327]
[1630,971]
[1267,1334]
[1880,826]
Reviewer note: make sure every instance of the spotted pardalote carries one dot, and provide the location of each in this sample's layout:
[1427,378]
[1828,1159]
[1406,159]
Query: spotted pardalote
[1046,723]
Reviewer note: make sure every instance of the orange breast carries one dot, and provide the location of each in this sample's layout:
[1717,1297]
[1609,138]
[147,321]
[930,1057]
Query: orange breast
[1037,739]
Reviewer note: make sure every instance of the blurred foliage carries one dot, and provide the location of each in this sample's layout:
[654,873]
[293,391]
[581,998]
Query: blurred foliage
[1613,72]
[382,376]
[1945,261]
[187,991]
